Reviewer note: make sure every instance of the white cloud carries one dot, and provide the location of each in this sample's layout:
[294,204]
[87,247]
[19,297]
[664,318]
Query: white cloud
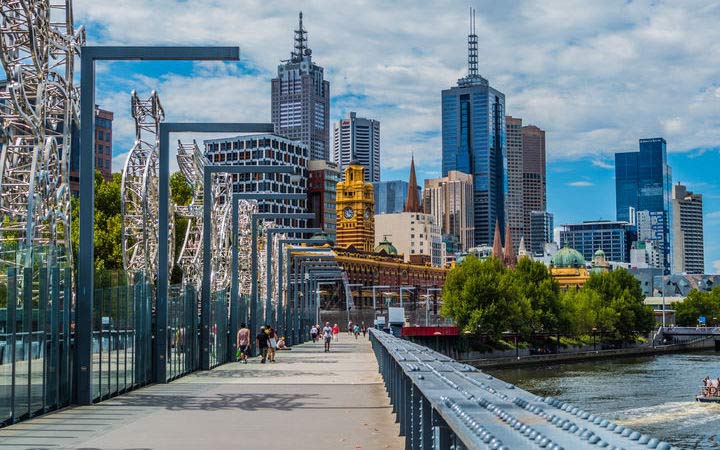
[716,266]
[597,76]
[713,215]
[580,184]
[602,164]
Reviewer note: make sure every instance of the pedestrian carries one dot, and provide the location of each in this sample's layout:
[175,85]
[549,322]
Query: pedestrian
[363,328]
[243,343]
[314,333]
[261,340]
[356,331]
[336,332]
[350,327]
[327,335]
[281,345]
[272,342]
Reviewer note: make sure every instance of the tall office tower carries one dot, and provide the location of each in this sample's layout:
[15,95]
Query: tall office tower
[265,149]
[534,178]
[301,100]
[357,139]
[322,188]
[687,224]
[450,201]
[473,141]
[103,150]
[390,196]
[541,231]
[514,201]
[643,181]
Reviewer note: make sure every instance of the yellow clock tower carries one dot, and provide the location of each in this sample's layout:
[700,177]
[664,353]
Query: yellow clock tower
[355,206]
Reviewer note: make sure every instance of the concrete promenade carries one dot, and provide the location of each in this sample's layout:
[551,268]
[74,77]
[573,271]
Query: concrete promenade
[308,399]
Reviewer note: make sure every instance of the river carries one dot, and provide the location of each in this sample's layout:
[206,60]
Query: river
[650,394]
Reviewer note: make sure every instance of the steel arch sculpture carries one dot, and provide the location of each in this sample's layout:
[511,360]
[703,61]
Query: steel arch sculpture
[38,46]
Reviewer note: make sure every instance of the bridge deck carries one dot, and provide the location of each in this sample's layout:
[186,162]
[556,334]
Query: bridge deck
[307,399]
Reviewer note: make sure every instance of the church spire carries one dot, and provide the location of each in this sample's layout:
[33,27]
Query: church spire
[510,259]
[497,250]
[412,201]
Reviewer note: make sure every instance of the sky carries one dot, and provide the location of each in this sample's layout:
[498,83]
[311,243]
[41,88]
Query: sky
[597,76]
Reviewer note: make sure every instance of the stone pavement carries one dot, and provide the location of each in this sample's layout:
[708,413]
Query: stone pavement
[308,399]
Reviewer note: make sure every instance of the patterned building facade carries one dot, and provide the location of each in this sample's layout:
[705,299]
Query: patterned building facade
[355,210]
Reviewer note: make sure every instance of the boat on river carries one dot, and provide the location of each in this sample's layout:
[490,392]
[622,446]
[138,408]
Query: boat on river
[708,394]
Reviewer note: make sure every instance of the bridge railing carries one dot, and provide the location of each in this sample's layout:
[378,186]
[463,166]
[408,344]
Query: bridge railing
[443,404]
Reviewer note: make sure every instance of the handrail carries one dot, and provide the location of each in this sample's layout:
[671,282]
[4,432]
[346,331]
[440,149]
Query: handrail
[441,404]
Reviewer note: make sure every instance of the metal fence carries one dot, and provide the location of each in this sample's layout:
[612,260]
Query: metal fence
[443,404]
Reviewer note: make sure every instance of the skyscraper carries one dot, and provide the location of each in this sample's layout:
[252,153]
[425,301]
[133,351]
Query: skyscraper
[687,225]
[449,200]
[301,99]
[473,141]
[357,139]
[390,196]
[516,214]
[534,179]
[322,186]
[541,231]
[643,181]
[103,150]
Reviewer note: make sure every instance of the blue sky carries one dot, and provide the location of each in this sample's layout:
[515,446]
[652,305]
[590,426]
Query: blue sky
[597,76]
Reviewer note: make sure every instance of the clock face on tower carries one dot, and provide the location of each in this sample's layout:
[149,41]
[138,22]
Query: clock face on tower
[348,213]
[367,213]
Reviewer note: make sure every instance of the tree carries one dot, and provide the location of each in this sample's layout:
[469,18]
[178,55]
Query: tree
[696,304]
[537,286]
[481,297]
[181,194]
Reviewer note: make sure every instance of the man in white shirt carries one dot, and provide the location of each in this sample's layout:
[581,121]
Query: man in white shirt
[327,335]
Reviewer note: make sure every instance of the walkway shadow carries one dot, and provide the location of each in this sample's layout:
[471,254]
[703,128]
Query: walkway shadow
[248,374]
[222,401]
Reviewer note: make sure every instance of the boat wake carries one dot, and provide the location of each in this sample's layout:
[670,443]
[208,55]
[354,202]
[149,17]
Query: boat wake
[681,414]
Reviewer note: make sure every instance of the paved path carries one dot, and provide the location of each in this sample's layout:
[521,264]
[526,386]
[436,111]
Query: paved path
[308,399]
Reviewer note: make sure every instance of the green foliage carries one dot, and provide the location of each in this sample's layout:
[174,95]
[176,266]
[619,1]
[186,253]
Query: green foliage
[180,190]
[485,297]
[696,304]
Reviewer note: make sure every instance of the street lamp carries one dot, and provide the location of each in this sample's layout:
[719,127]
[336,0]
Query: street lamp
[405,288]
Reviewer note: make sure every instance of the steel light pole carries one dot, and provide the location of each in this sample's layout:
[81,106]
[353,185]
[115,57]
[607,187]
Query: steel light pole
[405,288]
[427,303]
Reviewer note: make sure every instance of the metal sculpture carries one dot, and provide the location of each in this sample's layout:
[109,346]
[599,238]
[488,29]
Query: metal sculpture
[38,46]
[139,190]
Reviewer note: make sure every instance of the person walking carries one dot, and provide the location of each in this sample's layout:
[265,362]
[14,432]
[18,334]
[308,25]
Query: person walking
[336,332]
[261,340]
[272,342]
[327,335]
[363,328]
[350,327]
[314,333]
[356,331]
[243,343]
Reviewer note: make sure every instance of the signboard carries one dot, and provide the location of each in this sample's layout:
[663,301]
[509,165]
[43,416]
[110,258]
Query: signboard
[396,315]
[701,320]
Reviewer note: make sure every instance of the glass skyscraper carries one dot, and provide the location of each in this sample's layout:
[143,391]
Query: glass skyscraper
[390,196]
[643,181]
[473,142]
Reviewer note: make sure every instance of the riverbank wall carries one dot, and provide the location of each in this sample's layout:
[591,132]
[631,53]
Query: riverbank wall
[509,358]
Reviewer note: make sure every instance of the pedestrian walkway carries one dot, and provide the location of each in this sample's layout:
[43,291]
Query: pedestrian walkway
[308,399]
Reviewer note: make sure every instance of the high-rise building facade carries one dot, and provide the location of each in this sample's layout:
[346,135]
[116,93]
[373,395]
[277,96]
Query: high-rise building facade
[534,176]
[103,150]
[390,196]
[358,139]
[265,149]
[415,235]
[300,106]
[514,200]
[614,238]
[541,231]
[687,225]
[450,200]
[473,141]
[322,194]
[355,210]
[643,181]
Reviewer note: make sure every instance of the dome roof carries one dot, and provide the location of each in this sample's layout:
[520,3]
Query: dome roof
[567,257]
[599,252]
[323,238]
[387,247]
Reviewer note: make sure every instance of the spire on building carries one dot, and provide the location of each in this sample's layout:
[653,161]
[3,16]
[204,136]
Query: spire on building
[497,250]
[522,251]
[412,201]
[301,48]
[510,259]
[472,47]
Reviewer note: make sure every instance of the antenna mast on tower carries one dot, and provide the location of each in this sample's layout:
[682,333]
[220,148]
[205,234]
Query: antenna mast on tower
[472,47]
